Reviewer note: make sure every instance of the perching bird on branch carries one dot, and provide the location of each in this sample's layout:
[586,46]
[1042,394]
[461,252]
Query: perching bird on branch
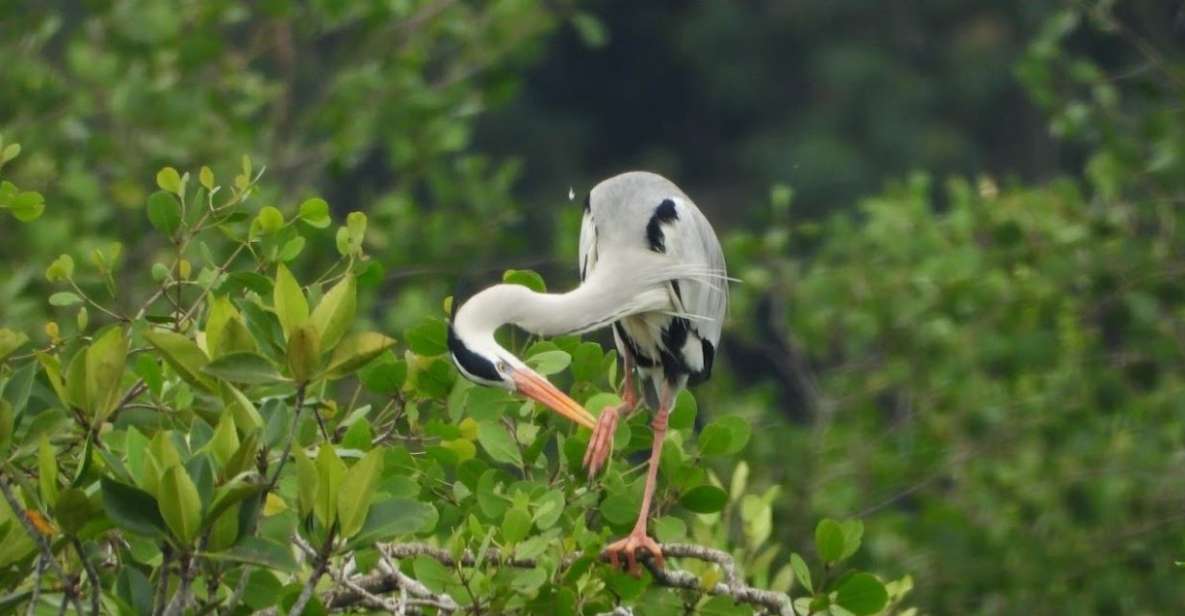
[650,267]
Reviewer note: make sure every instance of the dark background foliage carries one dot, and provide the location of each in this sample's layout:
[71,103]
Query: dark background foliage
[957,227]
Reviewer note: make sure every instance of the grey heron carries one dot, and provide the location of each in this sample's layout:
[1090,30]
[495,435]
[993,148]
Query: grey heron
[652,269]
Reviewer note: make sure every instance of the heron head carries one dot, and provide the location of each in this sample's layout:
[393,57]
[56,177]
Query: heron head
[487,363]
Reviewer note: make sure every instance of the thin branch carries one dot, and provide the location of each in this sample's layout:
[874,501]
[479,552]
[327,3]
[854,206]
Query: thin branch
[322,561]
[391,579]
[181,599]
[38,570]
[46,551]
[91,574]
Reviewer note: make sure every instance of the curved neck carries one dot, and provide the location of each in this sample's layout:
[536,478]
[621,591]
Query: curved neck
[592,305]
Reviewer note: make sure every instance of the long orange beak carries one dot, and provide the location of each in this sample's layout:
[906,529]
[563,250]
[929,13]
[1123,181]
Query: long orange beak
[541,390]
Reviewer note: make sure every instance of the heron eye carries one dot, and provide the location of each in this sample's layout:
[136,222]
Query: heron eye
[503,366]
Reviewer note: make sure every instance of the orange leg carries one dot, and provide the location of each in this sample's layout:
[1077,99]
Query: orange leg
[600,444]
[638,539]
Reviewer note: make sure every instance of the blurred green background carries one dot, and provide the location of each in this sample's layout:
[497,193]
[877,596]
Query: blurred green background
[957,226]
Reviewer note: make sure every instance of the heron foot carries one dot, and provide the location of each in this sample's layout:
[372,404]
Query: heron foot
[600,444]
[637,540]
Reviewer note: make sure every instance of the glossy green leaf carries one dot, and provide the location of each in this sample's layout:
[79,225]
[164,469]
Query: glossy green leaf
[179,504]
[497,442]
[290,304]
[334,314]
[802,573]
[10,341]
[315,212]
[105,362]
[829,540]
[169,179]
[183,356]
[355,351]
[304,352]
[164,212]
[527,278]
[428,338]
[331,472]
[861,594]
[395,517]
[357,490]
[132,509]
[245,368]
[515,525]
[704,499]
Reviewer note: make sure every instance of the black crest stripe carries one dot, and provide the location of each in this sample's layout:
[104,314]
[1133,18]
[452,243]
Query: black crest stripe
[664,213]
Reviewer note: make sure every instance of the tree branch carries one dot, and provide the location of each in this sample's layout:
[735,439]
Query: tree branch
[46,551]
[363,589]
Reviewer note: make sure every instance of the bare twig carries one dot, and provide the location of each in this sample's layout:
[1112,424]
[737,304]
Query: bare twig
[38,570]
[46,551]
[181,599]
[92,575]
[322,562]
[391,579]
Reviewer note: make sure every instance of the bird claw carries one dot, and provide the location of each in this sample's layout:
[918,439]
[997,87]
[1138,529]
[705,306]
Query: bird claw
[600,444]
[637,540]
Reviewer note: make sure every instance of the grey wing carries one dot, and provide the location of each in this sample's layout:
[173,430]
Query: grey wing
[703,298]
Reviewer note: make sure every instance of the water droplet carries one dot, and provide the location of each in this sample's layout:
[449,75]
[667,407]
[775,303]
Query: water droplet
[571,194]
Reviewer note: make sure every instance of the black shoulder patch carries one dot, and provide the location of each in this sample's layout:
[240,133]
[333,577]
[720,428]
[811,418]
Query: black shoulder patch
[664,213]
[469,362]
[709,359]
[674,336]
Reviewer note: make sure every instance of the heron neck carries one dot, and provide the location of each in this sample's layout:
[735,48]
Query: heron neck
[592,305]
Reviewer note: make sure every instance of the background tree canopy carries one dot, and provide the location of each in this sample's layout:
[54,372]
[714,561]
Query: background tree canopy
[951,381]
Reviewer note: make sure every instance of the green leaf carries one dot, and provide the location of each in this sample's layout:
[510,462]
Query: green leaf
[64,298]
[27,206]
[245,368]
[620,509]
[431,573]
[802,573]
[225,441]
[861,594]
[47,471]
[206,177]
[853,532]
[304,352]
[73,510]
[306,482]
[168,179]
[355,351]
[548,363]
[724,436]
[497,442]
[428,338]
[225,330]
[179,504]
[526,278]
[683,415]
[267,221]
[330,473]
[247,417]
[290,304]
[105,362]
[7,421]
[334,315]
[131,508]
[357,490]
[829,540]
[261,553]
[10,341]
[315,212]
[385,375]
[164,212]
[704,499]
[515,525]
[668,529]
[291,249]
[183,356]
[62,268]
